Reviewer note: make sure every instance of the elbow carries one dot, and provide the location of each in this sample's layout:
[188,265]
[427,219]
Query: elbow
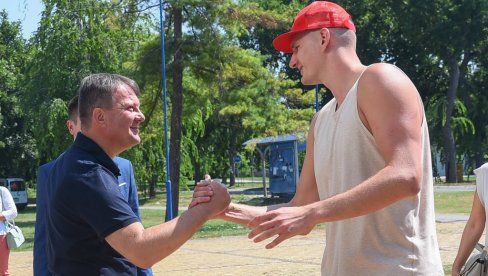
[141,262]
[12,214]
[412,182]
[145,264]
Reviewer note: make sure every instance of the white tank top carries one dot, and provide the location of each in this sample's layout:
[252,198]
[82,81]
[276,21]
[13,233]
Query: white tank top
[397,240]
[482,190]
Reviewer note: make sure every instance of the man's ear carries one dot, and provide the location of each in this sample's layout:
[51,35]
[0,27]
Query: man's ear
[98,117]
[69,125]
[325,36]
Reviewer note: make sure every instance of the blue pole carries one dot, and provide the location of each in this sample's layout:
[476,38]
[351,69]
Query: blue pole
[169,193]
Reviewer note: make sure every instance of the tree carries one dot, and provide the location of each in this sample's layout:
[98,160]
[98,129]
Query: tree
[16,145]
[74,39]
[435,41]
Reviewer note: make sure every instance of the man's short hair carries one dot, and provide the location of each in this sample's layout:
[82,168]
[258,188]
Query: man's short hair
[97,90]
[73,109]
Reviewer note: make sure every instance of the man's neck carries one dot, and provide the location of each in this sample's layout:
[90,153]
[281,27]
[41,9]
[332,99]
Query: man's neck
[342,75]
[107,146]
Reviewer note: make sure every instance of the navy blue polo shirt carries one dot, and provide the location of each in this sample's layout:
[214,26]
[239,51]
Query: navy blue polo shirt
[85,206]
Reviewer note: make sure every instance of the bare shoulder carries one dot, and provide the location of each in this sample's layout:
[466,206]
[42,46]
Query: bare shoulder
[386,82]
[386,92]
[386,77]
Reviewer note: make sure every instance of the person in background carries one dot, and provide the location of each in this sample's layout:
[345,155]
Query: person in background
[477,221]
[127,186]
[367,171]
[40,239]
[8,212]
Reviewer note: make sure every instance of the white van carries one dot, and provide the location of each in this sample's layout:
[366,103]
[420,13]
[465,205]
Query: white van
[16,186]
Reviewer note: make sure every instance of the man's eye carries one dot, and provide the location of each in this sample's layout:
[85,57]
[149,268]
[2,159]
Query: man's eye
[131,109]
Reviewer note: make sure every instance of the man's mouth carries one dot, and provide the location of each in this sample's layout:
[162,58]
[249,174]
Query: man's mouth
[135,130]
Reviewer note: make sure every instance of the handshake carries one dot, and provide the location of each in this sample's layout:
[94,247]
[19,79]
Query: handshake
[276,222]
[213,195]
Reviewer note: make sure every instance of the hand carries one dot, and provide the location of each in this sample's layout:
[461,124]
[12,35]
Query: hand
[285,222]
[220,199]
[202,193]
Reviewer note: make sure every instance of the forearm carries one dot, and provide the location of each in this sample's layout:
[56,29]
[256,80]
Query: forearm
[471,235]
[10,210]
[383,189]
[145,247]
[243,214]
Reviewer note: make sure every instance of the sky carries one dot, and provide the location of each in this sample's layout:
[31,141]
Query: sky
[27,11]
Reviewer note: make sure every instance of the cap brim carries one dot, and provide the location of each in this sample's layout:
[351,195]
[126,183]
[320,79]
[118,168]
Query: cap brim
[283,42]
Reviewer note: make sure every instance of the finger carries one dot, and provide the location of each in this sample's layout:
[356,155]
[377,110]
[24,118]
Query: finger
[203,193]
[261,219]
[192,203]
[199,200]
[266,234]
[277,241]
[202,183]
[202,188]
[260,229]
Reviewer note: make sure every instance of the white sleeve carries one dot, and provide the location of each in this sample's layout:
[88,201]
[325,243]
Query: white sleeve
[482,182]
[9,210]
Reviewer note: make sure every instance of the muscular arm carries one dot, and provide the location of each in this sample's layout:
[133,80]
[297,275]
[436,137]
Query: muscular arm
[145,247]
[390,108]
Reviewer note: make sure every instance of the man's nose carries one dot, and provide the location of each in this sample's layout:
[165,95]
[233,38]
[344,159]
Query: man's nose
[293,61]
[140,116]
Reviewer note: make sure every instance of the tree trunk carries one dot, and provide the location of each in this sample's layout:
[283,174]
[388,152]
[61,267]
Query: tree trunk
[479,159]
[197,173]
[232,153]
[176,108]
[447,132]
[152,186]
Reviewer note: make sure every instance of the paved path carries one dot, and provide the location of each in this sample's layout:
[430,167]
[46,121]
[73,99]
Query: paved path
[454,188]
[237,255]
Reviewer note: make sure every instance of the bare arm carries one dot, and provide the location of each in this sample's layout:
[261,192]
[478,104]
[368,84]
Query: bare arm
[390,108]
[306,191]
[471,234]
[9,209]
[145,247]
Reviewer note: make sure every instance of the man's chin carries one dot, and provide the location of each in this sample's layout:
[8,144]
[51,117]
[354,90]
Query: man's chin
[136,140]
[307,82]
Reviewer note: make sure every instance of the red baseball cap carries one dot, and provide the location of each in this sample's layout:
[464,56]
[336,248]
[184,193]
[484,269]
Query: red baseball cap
[319,14]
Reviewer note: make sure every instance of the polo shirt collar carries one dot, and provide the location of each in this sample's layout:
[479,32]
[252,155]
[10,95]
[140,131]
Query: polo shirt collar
[93,148]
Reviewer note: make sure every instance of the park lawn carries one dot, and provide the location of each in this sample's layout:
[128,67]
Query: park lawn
[448,203]
[453,202]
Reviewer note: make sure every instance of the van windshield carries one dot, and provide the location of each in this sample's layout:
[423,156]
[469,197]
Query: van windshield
[16,186]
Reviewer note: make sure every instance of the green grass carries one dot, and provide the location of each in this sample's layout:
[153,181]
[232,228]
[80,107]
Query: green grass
[26,220]
[453,202]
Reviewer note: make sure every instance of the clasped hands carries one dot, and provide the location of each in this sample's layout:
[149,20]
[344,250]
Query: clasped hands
[284,222]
